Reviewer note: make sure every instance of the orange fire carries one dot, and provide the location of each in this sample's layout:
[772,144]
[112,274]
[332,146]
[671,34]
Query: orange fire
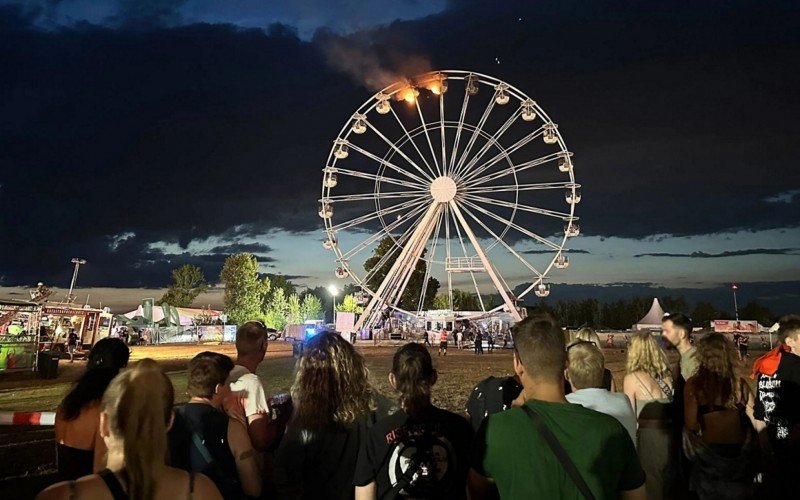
[436,88]
[408,94]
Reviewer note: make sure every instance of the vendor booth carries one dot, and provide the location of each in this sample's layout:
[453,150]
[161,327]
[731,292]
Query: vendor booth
[19,323]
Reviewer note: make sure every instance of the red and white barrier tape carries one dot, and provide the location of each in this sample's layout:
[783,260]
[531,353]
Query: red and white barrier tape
[27,417]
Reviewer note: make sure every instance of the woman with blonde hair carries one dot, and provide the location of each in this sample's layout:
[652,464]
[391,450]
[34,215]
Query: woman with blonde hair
[333,403]
[589,336]
[719,434]
[136,412]
[648,385]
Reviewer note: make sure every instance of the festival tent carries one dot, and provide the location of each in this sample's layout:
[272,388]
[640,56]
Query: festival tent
[651,320]
[184,315]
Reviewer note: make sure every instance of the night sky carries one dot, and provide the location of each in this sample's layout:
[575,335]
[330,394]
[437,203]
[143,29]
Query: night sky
[141,135]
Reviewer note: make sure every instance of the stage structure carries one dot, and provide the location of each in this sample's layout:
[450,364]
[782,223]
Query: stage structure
[468,178]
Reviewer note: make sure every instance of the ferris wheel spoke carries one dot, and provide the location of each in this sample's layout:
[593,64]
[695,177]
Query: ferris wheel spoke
[459,128]
[514,169]
[504,154]
[427,136]
[387,230]
[375,196]
[377,214]
[442,132]
[429,261]
[513,225]
[522,187]
[381,178]
[399,151]
[471,273]
[518,206]
[502,242]
[398,243]
[495,139]
[387,163]
[448,253]
[474,136]
[414,144]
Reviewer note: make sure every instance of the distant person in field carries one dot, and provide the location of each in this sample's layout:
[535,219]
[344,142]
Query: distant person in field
[135,414]
[479,341]
[443,342]
[744,345]
[524,451]
[490,342]
[72,344]
[79,446]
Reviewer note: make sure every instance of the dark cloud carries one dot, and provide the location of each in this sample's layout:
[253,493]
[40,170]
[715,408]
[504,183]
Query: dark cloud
[678,119]
[254,248]
[544,252]
[731,253]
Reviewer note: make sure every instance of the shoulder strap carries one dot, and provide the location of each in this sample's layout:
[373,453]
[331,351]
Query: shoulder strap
[113,484]
[639,381]
[191,485]
[559,452]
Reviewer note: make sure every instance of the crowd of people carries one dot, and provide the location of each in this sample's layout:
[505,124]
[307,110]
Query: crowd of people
[557,428]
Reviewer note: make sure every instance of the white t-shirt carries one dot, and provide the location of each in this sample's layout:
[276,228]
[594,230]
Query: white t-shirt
[249,389]
[615,404]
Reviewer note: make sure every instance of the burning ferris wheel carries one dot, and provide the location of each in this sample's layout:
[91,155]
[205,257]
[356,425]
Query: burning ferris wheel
[460,178]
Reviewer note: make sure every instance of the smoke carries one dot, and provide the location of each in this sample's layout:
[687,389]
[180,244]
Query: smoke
[370,67]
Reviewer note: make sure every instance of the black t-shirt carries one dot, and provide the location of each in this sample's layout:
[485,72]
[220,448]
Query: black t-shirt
[778,400]
[319,464]
[72,339]
[211,427]
[491,395]
[427,457]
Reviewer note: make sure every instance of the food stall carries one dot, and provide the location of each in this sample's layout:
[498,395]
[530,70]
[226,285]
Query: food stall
[19,323]
[57,320]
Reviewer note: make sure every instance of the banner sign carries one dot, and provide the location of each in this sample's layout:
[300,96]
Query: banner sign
[733,326]
[66,311]
[17,355]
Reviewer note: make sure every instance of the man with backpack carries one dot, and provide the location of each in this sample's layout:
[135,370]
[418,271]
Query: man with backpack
[542,449]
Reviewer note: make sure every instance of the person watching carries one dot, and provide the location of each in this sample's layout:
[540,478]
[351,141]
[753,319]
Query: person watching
[135,414]
[514,450]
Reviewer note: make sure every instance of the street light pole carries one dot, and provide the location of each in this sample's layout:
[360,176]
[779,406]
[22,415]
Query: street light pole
[78,262]
[333,291]
[735,287]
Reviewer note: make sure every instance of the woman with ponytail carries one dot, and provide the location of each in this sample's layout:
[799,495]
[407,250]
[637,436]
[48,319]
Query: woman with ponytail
[135,414]
[420,451]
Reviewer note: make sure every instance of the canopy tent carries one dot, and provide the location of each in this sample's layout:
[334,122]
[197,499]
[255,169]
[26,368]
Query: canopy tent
[183,315]
[651,320]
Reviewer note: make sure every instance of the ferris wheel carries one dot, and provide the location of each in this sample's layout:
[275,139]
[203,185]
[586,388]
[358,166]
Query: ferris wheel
[456,177]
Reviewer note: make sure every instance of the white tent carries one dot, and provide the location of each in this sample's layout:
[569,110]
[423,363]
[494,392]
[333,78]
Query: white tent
[187,315]
[651,320]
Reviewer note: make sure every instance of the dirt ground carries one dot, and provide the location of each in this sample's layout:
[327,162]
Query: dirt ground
[28,453]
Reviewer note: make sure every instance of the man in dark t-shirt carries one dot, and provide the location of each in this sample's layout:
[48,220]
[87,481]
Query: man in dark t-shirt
[777,408]
[425,457]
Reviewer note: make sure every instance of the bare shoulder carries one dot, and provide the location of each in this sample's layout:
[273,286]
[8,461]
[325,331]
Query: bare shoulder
[85,487]
[205,489]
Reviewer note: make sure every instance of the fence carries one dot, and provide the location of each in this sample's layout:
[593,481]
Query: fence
[194,334]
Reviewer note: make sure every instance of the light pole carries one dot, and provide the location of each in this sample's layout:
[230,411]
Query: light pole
[735,287]
[333,291]
[78,262]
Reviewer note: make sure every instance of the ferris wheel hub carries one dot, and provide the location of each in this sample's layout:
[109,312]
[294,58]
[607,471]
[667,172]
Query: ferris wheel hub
[443,189]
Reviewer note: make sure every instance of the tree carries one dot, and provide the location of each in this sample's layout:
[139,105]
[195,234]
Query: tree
[413,291]
[277,310]
[280,281]
[441,301]
[703,314]
[754,310]
[465,301]
[187,283]
[349,304]
[294,309]
[243,289]
[311,307]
